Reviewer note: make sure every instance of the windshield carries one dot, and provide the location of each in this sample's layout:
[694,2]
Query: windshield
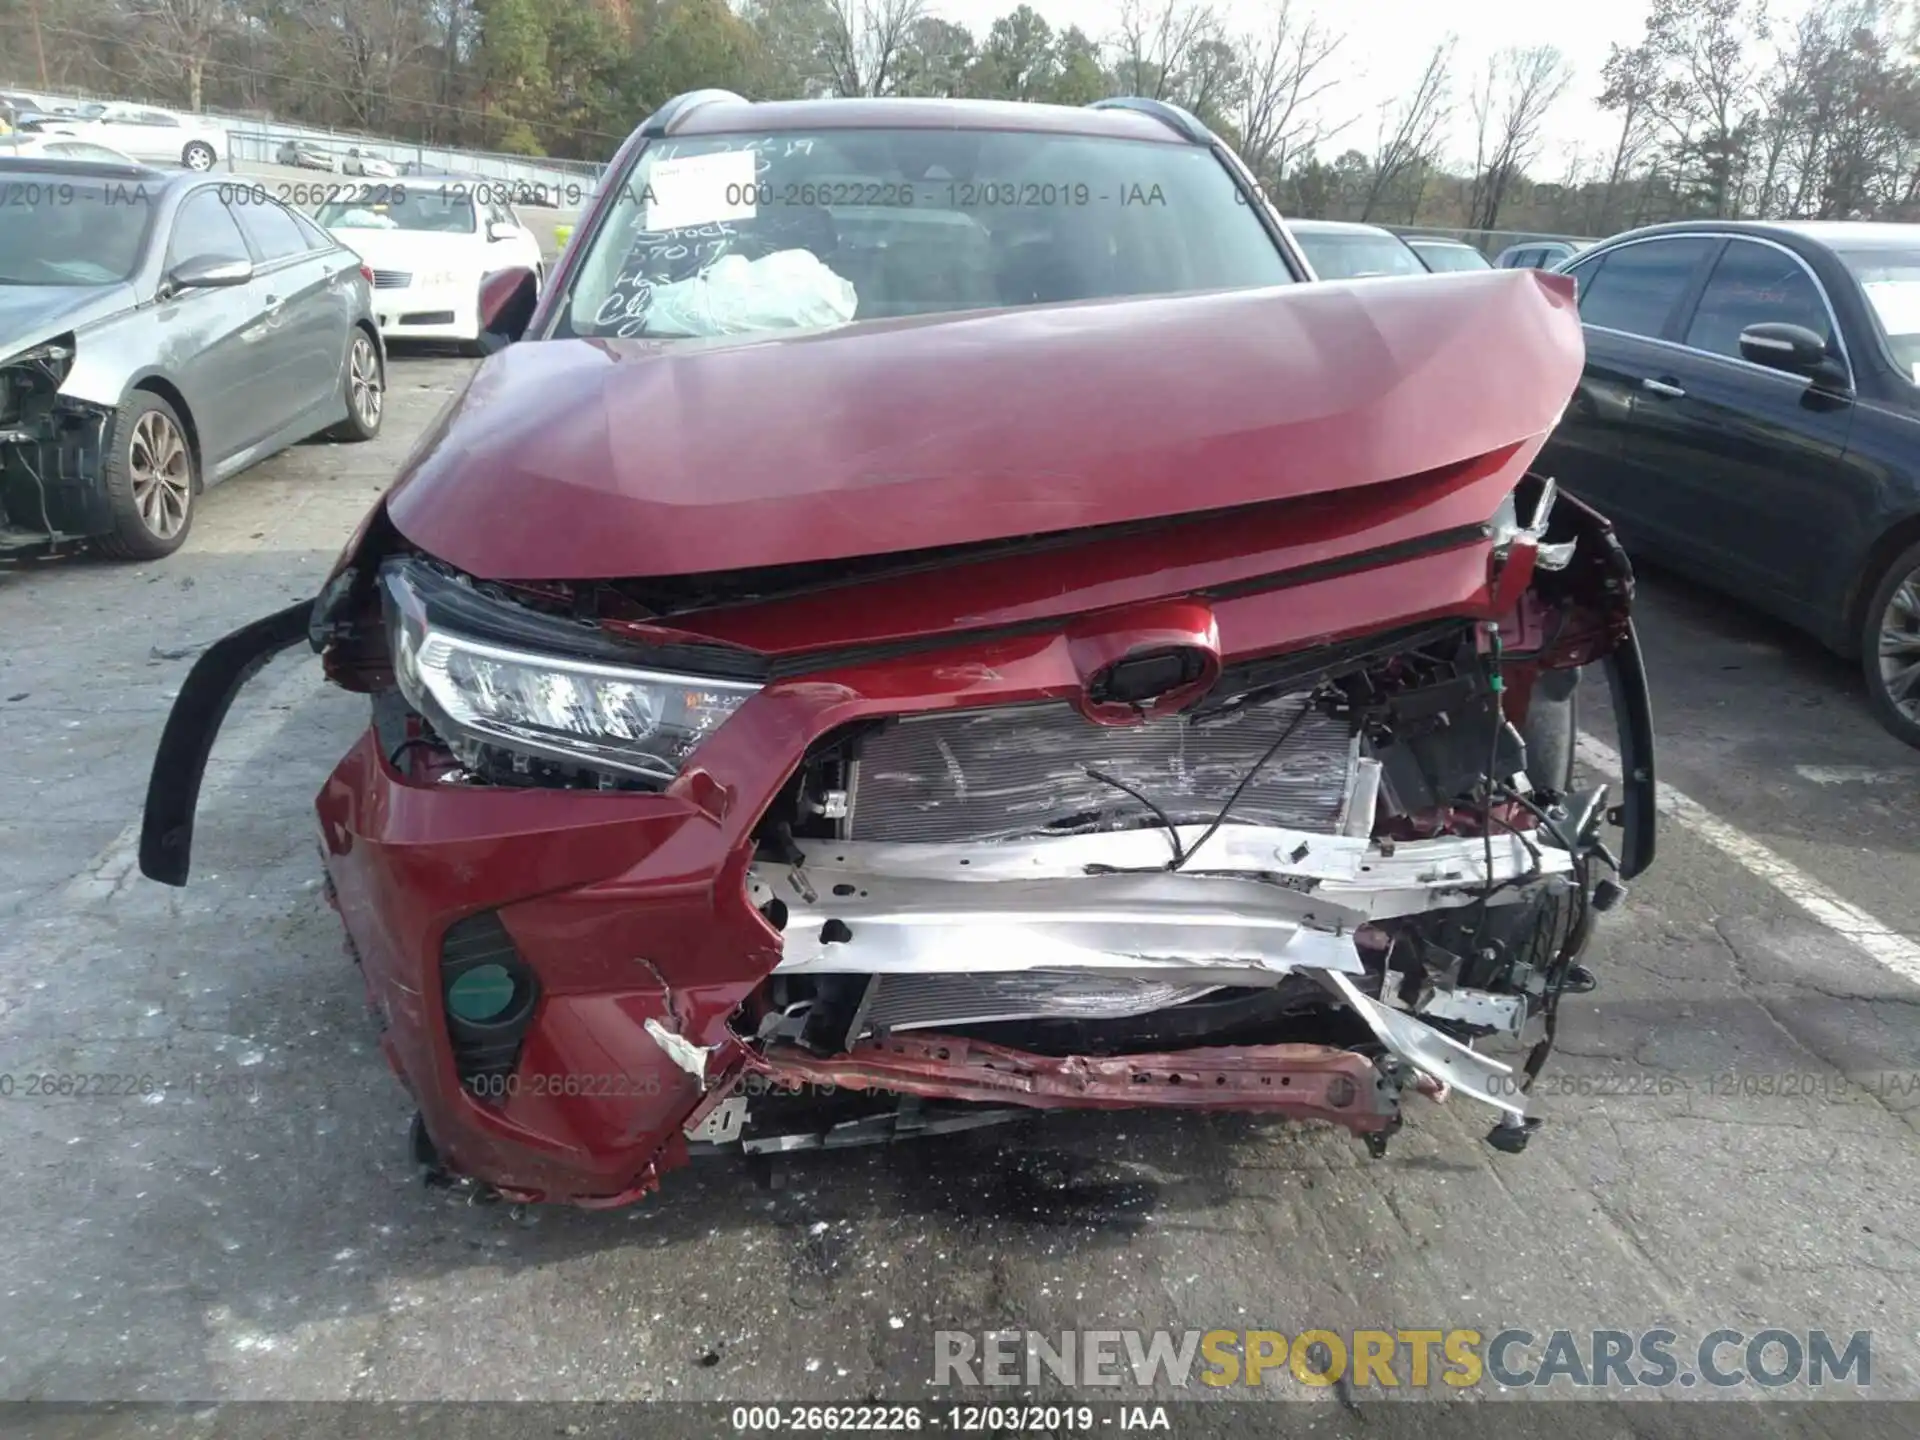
[1453,257]
[55,230]
[736,234]
[393,207]
[1891,280]
[1345,255]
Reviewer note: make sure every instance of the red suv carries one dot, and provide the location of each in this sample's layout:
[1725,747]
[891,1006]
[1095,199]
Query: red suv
[929,621]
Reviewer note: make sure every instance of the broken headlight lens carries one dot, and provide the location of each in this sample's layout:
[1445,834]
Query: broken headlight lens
[481,695]
[41,370]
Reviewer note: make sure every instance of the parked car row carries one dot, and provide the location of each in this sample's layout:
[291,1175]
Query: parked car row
[151,136]
[1349,250]
[1714,445]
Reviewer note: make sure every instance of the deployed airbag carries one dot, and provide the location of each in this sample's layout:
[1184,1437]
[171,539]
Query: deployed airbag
[787,290]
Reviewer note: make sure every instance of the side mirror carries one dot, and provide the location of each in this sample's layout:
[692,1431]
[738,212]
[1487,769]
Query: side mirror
[1792,348]
[209,273]
[501,230]
[507,298]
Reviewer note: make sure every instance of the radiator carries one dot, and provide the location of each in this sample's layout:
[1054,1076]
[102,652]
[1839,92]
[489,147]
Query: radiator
[1021,771]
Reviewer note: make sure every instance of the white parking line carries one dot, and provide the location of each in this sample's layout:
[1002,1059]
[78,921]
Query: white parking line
[1882,942]
[240,743]
[1852,775]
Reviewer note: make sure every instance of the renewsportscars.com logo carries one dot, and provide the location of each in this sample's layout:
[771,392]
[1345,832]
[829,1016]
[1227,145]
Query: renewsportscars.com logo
[1394,1359]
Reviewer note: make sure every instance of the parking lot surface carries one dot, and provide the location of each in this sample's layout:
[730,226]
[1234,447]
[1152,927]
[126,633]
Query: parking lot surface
[1731,1142]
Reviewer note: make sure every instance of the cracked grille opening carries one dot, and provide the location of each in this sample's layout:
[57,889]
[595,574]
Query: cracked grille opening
[1020,771]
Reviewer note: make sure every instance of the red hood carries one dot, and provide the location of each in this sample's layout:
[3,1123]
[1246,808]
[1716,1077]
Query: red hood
[568,460]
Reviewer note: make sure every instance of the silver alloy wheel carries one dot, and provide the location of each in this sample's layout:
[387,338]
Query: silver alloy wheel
[1900,647]
[199,156]
[363,382]
[162,472]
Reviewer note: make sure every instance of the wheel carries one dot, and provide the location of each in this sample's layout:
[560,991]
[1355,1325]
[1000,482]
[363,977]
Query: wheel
[1890,647]
[366,385]
[151,480]
[198,155]
[481,346]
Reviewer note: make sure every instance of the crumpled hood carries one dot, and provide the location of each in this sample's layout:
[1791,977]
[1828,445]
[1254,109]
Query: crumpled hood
[582,459]
[30,315]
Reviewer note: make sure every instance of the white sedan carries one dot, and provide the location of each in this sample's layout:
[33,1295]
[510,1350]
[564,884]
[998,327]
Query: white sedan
[155,136]
[364,162]
[429,243]
[63,147]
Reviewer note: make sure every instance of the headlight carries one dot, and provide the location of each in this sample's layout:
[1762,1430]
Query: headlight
[610,719]
[39,371]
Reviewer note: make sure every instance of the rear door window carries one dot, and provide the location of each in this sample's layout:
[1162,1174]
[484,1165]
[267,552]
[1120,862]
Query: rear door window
[1637,287]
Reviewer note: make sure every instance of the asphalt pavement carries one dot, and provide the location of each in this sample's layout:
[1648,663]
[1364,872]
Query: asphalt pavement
[1730,1142]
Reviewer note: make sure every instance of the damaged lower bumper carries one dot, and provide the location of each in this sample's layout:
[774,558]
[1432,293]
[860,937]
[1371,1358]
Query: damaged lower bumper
[1303,1082]
[52,481]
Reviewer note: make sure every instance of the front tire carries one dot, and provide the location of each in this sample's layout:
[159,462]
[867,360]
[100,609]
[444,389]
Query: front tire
[1552,725]
[1890,647]
[198,155]
[366,389]
[151,480]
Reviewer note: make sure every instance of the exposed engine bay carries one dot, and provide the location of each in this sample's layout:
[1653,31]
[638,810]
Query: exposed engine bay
[50,453]
[1356,858]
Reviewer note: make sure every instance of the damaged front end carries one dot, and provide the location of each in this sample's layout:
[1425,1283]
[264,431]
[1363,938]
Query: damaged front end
[51,451]
[1326,882]
[623,889]
[1198,734]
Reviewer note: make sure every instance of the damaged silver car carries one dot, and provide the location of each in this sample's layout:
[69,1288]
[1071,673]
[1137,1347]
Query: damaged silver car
[159,333]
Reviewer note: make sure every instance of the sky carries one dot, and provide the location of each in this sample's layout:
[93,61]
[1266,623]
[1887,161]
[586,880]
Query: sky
[1388,42]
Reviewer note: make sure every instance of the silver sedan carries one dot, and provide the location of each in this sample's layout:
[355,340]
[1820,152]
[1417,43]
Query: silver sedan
[159,333]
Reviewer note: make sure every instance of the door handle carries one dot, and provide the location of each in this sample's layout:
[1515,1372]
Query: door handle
[1664,387]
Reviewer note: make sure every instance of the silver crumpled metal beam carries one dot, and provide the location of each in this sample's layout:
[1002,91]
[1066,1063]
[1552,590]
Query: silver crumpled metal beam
[1200,929]
[1481,1077]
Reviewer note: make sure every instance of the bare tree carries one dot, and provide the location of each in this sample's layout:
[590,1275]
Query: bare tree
[367,43]
[1410,131]
[1630,78]
[1517,91]
[188,31]
[1706,99]
[1288,68]
[864,41]
[1155,44]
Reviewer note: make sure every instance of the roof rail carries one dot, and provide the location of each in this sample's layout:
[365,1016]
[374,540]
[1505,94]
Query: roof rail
[1182,122]
[662,121]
